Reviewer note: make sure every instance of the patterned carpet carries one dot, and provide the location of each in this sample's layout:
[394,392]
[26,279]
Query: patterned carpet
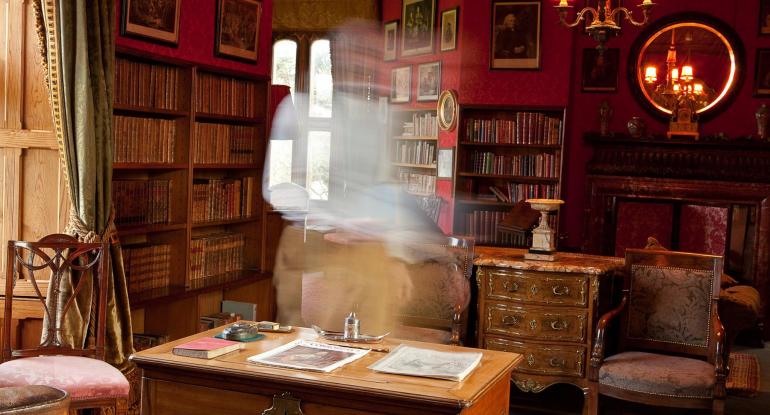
[744,375]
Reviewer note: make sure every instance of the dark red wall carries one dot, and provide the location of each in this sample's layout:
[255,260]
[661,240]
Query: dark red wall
[196,38]
[557,82]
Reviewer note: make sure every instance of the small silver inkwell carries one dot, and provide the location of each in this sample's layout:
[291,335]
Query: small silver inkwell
[352,327]
[351,332]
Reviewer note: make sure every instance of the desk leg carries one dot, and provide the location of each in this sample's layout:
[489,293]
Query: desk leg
[591,399]
[148,395]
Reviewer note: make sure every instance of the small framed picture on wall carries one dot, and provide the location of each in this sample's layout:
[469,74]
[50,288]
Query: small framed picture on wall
[445,163]
[390,37]
[237,29]
[448,30]
[515,35]
[400,84]
[428,81]
[764,17]
[417,23]
[762,74]
[600,71]
[156,20]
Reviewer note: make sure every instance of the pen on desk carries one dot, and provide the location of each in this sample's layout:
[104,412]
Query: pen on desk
[374,349]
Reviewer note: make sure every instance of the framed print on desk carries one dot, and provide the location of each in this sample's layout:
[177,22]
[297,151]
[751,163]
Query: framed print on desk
[515,35]
[390,35]
[445,163]
[417,24]
[237,34]
[400,84]
[151,19]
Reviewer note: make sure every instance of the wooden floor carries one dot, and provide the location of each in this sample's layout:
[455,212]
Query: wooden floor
[568,400]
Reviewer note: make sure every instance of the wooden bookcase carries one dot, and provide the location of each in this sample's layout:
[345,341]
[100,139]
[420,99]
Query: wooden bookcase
[414,147]
[518,152]
[189,151]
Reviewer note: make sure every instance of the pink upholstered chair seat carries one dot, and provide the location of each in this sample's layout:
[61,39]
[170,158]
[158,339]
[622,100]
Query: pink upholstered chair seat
[81,377]
[658,374]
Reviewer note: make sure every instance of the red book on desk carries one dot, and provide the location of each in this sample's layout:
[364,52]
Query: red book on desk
[206,348]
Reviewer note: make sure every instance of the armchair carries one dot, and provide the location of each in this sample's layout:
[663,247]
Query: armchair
[670,338]
[77,369]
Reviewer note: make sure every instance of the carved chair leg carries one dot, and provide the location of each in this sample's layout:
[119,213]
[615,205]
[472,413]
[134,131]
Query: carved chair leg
[121,406]
[591,399]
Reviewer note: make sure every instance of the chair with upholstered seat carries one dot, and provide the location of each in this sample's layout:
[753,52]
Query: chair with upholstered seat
[437,309]
[33,400]
[80,371]
[670,337]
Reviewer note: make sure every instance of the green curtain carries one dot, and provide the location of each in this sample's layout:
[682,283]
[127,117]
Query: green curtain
[78,45]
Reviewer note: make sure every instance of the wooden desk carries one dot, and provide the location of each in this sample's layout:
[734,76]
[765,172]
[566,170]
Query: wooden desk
[229,385]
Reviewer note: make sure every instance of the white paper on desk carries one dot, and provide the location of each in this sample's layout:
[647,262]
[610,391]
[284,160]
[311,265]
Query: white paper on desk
[309,355]
[415,361]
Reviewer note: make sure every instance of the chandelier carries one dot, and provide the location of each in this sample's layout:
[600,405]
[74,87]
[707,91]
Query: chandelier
[605,21]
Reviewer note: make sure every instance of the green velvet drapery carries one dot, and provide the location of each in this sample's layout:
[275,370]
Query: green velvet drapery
[79,47]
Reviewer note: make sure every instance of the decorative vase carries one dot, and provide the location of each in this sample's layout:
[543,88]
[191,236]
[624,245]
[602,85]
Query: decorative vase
[762,116]
[636,127]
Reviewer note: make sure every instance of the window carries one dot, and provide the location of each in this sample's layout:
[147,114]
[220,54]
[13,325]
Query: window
[304,63]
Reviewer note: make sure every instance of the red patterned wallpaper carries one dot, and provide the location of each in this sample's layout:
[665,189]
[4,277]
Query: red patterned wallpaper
[703,229]
[638,220]
[196,38]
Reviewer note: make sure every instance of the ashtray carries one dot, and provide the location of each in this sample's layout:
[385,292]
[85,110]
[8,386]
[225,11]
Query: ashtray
[338,336]
[240,331]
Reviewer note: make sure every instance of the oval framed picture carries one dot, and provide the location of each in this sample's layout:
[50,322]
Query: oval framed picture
[447,110]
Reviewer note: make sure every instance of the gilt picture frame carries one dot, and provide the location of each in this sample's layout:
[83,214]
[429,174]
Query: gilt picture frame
[448,30]
[155,20]
[418,19]
[390,37]
[237,29]
[400,84]
[428,81]
[515,40]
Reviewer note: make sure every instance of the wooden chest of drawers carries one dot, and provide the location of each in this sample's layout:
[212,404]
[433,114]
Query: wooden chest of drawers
[546,311]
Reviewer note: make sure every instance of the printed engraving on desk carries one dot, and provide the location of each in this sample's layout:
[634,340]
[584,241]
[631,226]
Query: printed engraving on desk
[284,404]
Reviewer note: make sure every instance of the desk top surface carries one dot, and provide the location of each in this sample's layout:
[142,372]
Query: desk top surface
[565,262]
[352,377]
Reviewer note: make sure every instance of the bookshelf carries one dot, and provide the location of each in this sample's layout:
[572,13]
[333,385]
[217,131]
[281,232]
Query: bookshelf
[504,155]
[188,155]
[414,146]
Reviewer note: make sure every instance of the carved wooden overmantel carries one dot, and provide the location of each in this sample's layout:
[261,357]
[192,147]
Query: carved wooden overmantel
[713,170]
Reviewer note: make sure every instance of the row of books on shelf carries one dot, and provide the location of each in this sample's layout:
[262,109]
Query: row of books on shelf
[143,140]
[141,202]
[226,96]
[223,144]
[540,165]
[222,199]
[422,124]
[216,254]
[522,128]
[417,183]
[143,341]
[482,226]
[415,152]
[147,267]
[514,192]
[146,85]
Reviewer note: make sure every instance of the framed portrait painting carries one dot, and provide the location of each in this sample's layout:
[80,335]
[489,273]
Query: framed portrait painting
[764,17]
[515,35]
[417,23]
[447,110]
[400,84]
[237,34]
[600,72]
[428,81]
[151,19]
[448,29]
[762,77]
[390,35]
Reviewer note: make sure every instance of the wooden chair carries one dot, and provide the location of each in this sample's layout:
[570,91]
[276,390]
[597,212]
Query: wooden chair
[670,338]
[33,400]
[80,371]
[437,310]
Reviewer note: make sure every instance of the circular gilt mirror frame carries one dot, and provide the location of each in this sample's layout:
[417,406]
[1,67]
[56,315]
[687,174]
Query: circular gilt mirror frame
[447,110]
[723,36]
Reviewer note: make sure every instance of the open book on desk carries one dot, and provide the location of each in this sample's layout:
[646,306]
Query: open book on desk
[415,361]
[309,355]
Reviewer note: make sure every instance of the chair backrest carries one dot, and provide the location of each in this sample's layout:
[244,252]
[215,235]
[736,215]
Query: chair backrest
[74,271]
[672,299]
[441,287]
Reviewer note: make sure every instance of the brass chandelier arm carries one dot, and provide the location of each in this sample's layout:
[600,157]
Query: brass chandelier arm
[629,15]
[578,18]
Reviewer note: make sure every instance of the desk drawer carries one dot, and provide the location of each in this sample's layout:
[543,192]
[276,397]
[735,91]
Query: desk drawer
[543,359]
[537,287]
[536,322]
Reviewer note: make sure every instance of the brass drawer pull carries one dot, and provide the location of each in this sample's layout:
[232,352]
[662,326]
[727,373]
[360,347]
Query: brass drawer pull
[511,287]
[560,290]
[555,362]
[559,325]
[511,320]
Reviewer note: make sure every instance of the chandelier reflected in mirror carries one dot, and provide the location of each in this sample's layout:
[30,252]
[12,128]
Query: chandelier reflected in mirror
[605,20]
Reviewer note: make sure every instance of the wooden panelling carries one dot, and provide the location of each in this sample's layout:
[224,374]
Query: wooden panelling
[185,323]
[28,139]
[260,292]
[11,185]
[209,303]
[37,110]
[11,44]
[40,199]
[137,320]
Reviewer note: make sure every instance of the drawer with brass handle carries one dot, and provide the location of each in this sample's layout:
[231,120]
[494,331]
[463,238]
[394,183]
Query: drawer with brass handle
[535,322]
[543,359]
[536,287]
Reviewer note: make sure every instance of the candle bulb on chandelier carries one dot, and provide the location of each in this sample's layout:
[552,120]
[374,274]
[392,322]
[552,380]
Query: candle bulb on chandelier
[687,73]
[563,3]
[646,2]
[675,74]
[698,89]
[650,74]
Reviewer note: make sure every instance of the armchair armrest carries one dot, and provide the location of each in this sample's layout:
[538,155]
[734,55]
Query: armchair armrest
[597,355]
[718,354]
